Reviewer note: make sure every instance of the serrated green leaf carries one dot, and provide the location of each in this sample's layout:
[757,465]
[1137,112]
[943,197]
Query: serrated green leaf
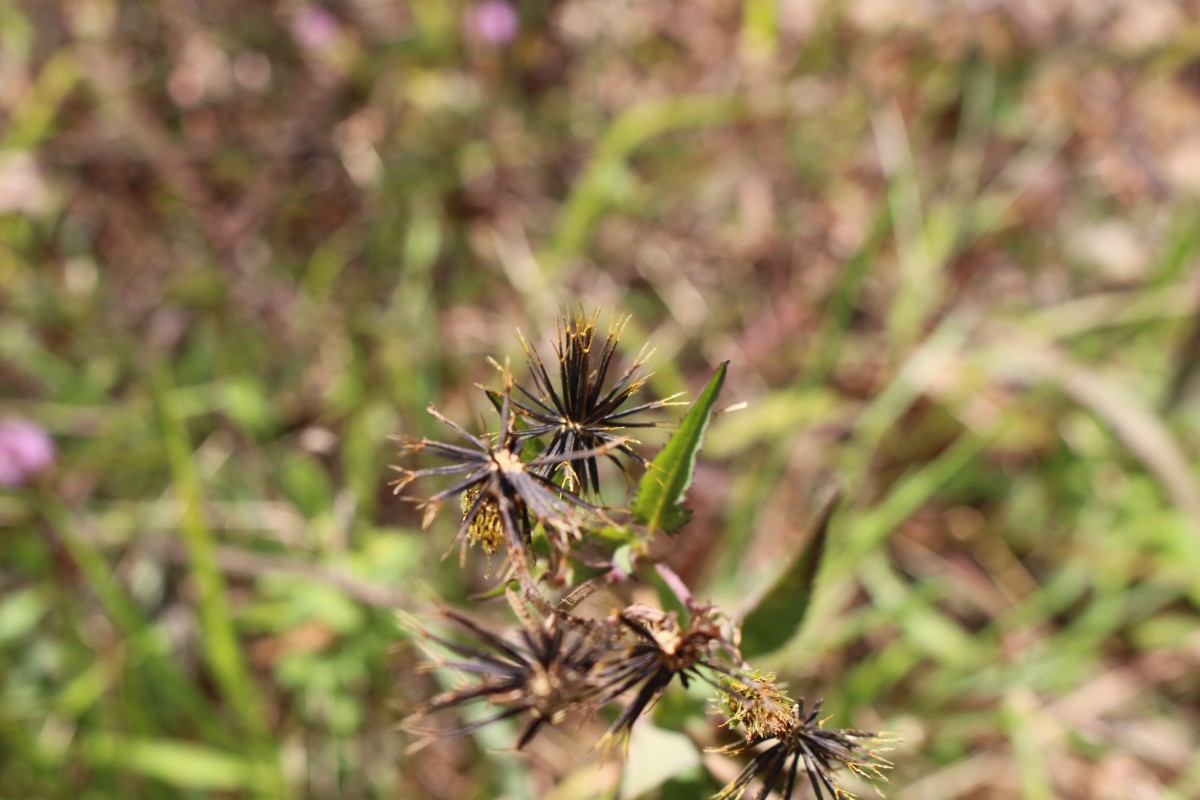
[779,614]
[670,474]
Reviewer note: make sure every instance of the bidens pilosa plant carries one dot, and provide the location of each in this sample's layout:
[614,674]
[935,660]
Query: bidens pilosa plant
[530,492]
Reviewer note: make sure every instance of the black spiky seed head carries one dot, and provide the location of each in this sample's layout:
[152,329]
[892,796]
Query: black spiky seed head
[581,414]
[541,675]
[655,651]
[500,485]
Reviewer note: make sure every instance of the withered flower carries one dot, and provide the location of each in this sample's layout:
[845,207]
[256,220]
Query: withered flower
[580,416]
[497,483]
[796,741]
[548,671]
[658,649]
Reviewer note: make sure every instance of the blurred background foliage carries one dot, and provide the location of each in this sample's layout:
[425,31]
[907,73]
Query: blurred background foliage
[949,248]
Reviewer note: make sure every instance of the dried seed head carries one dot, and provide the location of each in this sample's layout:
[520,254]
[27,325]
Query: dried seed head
[674,647]
[753,702]
[581,411]
[801,742]
[502,495]
[656,651]
[544,673]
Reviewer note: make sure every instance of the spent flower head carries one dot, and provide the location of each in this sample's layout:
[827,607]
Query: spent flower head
[499,485]
[547,671]
[794,743]
[655,651]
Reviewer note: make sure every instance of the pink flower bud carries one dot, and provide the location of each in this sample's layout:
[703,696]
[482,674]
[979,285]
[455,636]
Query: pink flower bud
[493,22]
[25,449]
[315,28]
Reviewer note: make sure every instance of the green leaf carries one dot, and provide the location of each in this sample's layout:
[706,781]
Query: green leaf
[20,613]
[498,591]
[779,614]
[670,474]
[614,533]
[655,757]
[623,559]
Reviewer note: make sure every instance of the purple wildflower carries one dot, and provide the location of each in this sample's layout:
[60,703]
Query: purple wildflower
[494,22]
[25,449]
[314,28]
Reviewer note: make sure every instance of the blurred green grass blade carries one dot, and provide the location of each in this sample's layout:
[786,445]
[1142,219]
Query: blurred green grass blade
[780,613]
[1179,249]
[670,474]
[843,302]
[873,528]
[928,631]
[1145,434]
[19,347]
[1020,714]
[916,234]
[32,123]
[221,646]
[20,613]
[181,764]
[628,131]
[760,30]
[363,442]
[1106,310]
[85,689]
[775,420]
[146,647]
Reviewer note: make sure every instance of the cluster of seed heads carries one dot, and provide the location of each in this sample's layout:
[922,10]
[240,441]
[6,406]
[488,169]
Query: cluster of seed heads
[537,478]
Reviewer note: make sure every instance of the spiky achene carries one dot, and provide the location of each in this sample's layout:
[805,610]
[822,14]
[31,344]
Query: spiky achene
[579,415]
